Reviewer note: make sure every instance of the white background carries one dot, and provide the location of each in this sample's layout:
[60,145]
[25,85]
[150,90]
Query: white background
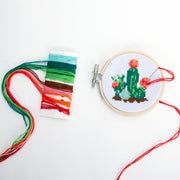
[96,143]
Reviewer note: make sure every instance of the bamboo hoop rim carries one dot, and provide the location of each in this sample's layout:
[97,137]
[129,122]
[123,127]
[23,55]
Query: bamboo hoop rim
[107,102]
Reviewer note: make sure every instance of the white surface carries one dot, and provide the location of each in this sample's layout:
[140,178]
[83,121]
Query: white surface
[96,142]
[120,65]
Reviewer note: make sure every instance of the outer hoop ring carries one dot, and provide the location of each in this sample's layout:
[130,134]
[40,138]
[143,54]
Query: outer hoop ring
[101,90]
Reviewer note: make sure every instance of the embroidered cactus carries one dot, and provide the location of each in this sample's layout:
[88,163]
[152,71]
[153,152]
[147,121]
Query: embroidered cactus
[119,84]
[140,93]
[132,81]
[132,92]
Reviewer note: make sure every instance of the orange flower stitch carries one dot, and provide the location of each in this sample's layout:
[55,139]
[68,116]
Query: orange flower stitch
[133,63]
[115,85]
[144,82]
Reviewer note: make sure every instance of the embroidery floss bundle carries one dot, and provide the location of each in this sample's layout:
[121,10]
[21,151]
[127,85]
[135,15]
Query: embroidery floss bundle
[132,83]
[53,97]
[59,78]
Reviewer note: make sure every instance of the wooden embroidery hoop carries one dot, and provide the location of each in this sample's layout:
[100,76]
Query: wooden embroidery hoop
[101,89]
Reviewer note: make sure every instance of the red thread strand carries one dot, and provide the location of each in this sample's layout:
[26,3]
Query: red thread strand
[175,136]
[178,111]
[42,89]
[163,79]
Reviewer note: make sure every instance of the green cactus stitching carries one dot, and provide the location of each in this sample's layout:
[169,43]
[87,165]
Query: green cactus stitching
[129,91]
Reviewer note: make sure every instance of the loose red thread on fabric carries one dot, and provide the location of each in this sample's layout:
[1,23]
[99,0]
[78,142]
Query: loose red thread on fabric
[175,136]
[163,79]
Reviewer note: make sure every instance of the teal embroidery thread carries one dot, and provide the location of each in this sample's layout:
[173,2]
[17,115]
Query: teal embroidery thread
[60,76]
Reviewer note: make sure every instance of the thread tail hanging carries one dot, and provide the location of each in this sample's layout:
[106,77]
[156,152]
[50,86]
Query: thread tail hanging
[61,103]
[178,111]
[175,136]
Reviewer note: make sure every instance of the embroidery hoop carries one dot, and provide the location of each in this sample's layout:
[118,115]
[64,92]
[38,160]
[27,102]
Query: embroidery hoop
[106,66]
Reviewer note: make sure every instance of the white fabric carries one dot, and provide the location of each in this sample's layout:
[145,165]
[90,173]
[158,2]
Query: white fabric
[120,65]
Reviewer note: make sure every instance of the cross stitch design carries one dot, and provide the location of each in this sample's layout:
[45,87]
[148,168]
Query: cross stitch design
[129,91]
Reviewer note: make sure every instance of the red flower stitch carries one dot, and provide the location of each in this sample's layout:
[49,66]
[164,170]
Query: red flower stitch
[133,63]
[115,85]
[144,82]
